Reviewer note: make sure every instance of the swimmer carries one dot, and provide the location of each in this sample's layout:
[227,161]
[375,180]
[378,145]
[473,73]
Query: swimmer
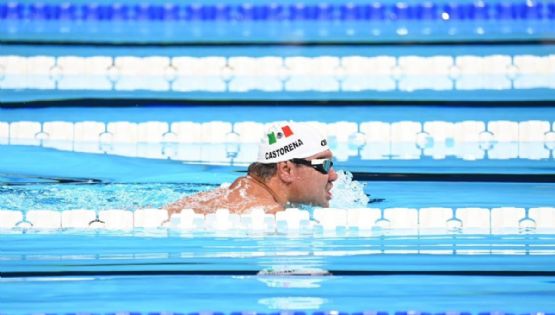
[294,166]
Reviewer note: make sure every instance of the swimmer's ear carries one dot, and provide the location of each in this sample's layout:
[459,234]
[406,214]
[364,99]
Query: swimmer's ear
[285,171]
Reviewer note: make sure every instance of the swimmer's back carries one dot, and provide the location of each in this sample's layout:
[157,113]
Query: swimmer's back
[240,197]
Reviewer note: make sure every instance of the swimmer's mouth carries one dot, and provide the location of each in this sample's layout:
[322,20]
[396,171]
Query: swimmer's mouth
[328,193]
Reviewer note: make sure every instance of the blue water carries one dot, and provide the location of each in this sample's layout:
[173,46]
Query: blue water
[81,255]
[163,250]
[327,113]
[101,271]
[394,194]
[249,293]
[131,183]
[161,270]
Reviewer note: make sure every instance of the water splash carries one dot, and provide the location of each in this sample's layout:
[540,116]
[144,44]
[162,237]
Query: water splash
[348,193]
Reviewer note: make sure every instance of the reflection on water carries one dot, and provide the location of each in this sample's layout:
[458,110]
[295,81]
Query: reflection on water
[293,303]
[291,282]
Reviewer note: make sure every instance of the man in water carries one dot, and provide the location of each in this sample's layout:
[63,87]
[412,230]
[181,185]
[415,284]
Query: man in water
[294,166]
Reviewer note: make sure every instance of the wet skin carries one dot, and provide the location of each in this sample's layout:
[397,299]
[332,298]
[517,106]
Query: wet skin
[312,187]
[292,184]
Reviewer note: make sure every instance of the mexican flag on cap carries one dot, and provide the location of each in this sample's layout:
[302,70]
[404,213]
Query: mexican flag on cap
[289,140]
[285,131]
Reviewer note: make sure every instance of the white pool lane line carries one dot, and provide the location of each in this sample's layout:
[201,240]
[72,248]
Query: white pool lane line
[274,74]
[388,221]
[225,143]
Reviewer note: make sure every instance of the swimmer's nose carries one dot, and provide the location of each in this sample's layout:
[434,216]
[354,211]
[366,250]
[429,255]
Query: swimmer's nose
[332,174]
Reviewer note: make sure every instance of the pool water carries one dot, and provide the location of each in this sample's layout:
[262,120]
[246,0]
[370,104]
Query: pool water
[498,264]
[440,116]
[83,171]
[103,294]
[383,194]
[155,271]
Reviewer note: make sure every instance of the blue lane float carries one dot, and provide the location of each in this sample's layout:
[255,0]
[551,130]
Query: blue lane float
[279,12]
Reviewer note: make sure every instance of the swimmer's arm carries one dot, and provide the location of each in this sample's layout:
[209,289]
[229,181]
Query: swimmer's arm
[177,206]
[273,209]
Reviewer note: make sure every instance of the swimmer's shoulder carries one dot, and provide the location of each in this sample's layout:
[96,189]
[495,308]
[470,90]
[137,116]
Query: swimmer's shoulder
[240,181]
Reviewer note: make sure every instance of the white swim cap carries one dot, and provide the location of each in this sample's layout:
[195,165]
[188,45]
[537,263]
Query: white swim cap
[290,140]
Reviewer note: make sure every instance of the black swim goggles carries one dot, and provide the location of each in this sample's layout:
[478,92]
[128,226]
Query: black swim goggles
[321,165]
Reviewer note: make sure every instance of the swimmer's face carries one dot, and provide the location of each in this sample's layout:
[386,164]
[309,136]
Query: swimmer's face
[311,186]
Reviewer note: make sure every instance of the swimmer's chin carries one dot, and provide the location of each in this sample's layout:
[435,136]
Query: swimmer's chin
[323,204]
